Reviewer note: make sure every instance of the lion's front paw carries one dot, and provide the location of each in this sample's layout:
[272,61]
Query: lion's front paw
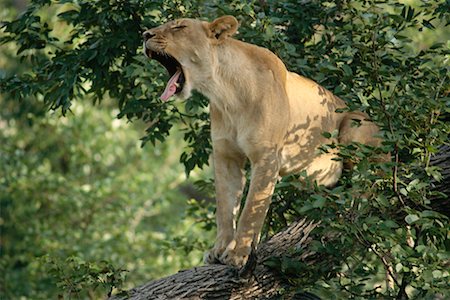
[212,256]
[235,256]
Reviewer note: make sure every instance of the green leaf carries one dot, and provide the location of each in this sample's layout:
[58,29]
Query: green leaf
[319,201]
[347,70]
[411,218]
[390,224]
[437,274]
[326,135]
[428,24]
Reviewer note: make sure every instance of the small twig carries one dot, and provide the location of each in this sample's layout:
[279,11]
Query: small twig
[388,267]
[395,175]
[433,118]
[382,256]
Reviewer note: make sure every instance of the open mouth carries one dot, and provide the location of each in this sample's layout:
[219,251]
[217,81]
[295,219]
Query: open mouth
[177,79]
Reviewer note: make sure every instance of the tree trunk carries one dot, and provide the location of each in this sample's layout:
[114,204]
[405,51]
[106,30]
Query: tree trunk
[223,282]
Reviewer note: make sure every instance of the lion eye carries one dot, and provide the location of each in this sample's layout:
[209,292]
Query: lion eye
[179,27]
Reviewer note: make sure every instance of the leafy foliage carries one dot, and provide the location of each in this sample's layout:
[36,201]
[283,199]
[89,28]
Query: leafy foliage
[76,276]
[378,222]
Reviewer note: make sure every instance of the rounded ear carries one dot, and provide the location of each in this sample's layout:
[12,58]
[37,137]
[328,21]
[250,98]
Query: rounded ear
[223,27]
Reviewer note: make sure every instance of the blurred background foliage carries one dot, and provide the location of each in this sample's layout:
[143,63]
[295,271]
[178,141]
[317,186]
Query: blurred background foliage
[85,210]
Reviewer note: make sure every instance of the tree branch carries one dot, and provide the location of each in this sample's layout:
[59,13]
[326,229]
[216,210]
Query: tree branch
[223,282]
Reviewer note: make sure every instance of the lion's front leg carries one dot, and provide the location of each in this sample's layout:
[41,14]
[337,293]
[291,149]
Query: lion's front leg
[264,176]
[229,183]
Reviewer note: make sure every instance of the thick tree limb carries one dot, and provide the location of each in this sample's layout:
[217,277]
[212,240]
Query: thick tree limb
[223,282]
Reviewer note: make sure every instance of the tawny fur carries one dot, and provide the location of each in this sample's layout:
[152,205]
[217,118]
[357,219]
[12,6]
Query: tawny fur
[260,112]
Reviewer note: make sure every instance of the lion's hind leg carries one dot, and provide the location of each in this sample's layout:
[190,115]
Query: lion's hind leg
[325,169]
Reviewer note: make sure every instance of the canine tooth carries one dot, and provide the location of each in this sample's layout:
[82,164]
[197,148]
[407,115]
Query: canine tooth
[177,84]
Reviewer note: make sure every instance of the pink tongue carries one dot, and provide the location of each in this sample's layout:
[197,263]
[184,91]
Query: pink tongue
[171,87]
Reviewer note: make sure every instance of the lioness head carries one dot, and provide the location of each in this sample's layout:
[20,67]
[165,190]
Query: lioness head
[186,48]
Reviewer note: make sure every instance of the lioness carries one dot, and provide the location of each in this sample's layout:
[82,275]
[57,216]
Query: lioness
[259,111]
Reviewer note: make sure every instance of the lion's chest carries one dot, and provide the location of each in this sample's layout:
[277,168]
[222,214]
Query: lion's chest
[229,129]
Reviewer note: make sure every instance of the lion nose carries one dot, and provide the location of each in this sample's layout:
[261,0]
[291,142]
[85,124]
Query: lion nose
[148,35]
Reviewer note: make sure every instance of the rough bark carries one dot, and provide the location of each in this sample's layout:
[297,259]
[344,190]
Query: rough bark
[442,161]
[223,282]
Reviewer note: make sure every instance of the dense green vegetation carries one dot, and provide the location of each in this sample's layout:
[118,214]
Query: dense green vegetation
[84,208]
